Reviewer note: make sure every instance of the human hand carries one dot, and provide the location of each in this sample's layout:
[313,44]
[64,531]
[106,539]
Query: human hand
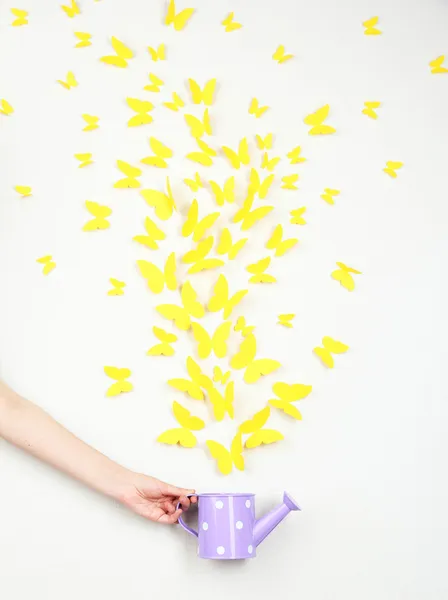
[153,499]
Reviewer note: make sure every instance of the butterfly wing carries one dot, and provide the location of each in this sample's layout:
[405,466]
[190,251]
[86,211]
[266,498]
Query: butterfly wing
[324,356]
[245,354]
[264,436]
[170,272]
[220,294]
[221,455]
[219,339]
[177,314]
[209,90]
[256,422]
[262,366]
[203,338]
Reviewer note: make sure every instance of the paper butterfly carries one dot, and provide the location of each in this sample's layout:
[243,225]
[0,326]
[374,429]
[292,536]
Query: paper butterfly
[226,459]
[226,245]
[203,157]
[180,315]
[369,109]
[48,263]
[154,235]
[277,243]
[130,181]
[236,159]
[155,278]
[142,108]
[72,10]
[192,386]
[219,376]
[294,156]
[224,194]
[245,359]
[157,54]
[437,65]
[330,346]
[287,394]
[316,120]
[217,343]
[117,289]
[230,24]
[195,227]
[328,195]
[194,184]
[370,28]
[259,436]
[164,348]
[100,214]
[180,19]
[21,17]
[161,152]
[256,186]
[164,204]
[296,216]
[289,182]
[92,122]
[258,271]
[155,84]
[85,159]
[23,190]
[121,385]
[240,325]
[221,300]
[391,167]
[121,57]
[280,56]
[197,127]
[344,277]
[197,256]
[84,39]
[250,217]
[264,143]
[256,109]
[176,104]
[285,320]
[182,435]
[256,422]
[269,163]
[205,95]
[6,108]
[70,81]
[222,404]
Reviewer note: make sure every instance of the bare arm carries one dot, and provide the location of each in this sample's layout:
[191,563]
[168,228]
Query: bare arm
[28,427]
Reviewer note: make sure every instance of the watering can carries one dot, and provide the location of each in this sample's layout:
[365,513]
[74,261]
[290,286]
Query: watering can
[227,527]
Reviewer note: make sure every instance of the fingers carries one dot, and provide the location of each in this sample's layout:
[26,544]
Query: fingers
[169,507]
[172,490]
[170,519]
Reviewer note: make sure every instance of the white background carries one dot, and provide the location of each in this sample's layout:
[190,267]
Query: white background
[368,461]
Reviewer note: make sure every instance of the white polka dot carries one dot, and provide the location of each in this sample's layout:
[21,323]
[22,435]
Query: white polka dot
[220,550]
[205,526]
[247,503]
[250,549]
[219,505]
[239,524]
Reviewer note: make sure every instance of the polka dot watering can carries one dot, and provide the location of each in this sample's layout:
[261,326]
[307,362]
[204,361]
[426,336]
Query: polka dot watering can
[227,527]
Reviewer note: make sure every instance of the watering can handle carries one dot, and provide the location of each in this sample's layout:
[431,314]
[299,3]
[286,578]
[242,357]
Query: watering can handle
[184,525]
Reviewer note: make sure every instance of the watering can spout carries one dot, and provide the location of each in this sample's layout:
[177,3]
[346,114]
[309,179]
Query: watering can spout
[270,520]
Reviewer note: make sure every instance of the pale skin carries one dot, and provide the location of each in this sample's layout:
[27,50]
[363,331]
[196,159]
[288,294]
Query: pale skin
[28,427]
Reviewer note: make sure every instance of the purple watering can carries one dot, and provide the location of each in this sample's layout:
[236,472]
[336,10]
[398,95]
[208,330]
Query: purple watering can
[227,525]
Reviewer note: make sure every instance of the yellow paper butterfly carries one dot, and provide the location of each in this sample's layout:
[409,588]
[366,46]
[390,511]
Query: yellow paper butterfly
[219,376]
[72,10]
[198,257]
[205,95]
[117,289]
[294,156]
[277,243]
[330,346]
[100,214]
[254,426]
[194,184]
[287,394]
[216,343]
[180,19]
[84,39]
[226,245]
[264,436]
[142,108]
[5,107]
[280,56]
[296,216]
[130,181]
[221,300]
[256,186]
[203,157]
[155,84]
[436,65]
[197,127]
[316,120]
[222,404]
[85,159]
[391,167]
[245,359]
[193,386]
[154,235]
[164,348]
[23,190]
[121,56]
[289,182]
[369,109]
[155,278]
[250,217]
[182,435]
[193,226]
[70,81]
[236,159]
[92,122]
[370,28]
[176,104]
[121,385]
[256,422]
[157,53]
[285,320]
[240,325]
[224,194]
[269,163]
[21,17]
[255,108]
[230,24]
[264,143]
[161,152]
[343,275]
[226,459]
[328,195]
[180,315]
[258,271]
[164,204]
[48,263]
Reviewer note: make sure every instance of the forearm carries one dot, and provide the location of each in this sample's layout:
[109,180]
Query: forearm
[27,426]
